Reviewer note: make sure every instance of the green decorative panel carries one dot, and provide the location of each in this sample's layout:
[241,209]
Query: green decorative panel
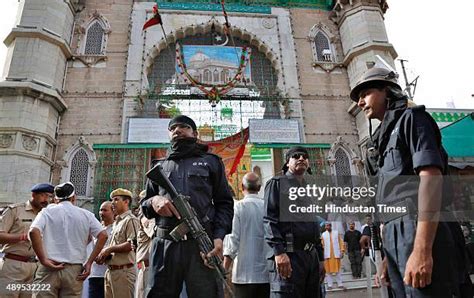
[447,116]
[245,6]
[205,6]
[458,137]
[119,167]
[260,153]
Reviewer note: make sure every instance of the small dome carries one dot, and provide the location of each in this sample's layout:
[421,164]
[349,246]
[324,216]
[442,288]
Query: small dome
[199,56]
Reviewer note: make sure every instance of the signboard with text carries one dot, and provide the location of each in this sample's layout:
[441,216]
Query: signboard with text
[148,130]
[274,131]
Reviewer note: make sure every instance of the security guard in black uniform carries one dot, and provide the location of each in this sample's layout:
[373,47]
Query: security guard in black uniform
[200,175]
[295,269]
[410,161]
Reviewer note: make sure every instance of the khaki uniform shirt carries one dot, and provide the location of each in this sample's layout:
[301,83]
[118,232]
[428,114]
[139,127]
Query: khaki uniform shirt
[145,235]
[16,219]
[125,228]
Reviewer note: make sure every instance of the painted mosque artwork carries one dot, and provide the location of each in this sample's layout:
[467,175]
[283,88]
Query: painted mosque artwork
[212,64]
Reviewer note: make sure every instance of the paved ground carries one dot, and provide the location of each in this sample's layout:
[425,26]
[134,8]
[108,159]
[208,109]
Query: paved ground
[359,293]
[353,293]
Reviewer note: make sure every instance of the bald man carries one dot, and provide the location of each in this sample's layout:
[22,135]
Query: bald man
[96,278]
[246,244]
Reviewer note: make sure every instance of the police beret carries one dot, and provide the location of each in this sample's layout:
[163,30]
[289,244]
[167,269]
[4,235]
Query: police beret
[182,119]
[121,192]
[43,187]
[64,191]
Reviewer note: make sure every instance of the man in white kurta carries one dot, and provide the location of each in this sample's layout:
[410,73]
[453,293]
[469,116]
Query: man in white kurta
[333,253]
[246,245]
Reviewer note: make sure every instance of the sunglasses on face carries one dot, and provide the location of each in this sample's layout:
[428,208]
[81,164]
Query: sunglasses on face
[298,155]
[179,125]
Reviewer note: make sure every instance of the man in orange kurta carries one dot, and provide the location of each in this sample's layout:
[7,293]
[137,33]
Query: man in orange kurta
[333,253]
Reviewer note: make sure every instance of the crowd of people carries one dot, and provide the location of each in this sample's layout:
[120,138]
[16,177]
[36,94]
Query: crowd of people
[50,249]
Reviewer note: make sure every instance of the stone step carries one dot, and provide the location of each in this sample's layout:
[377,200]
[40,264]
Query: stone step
[352,284]
[347,276]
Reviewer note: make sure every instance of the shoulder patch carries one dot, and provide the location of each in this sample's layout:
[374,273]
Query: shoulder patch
[16,205]
[11,207]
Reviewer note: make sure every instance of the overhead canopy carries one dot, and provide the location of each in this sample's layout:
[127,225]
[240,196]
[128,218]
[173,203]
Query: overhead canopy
[458,137]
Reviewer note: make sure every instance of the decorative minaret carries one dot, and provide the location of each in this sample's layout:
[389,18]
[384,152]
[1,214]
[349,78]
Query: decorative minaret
[30,94]
[363,36]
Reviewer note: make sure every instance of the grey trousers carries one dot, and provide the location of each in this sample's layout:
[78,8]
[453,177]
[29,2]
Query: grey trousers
[399,236]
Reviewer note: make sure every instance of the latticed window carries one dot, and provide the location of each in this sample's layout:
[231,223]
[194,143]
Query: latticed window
[216,76]
[94,40]
[343,167]
[80,172]
[122,168]
[323,48]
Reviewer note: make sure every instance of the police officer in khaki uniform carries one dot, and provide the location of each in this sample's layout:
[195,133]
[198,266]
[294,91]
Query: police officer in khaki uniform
[19,263]
[118,255]
[145,235]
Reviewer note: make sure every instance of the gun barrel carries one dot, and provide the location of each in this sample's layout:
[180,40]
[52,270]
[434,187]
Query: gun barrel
[156,175]
[189,217]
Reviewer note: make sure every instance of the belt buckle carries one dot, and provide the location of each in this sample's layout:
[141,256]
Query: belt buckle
[32,259]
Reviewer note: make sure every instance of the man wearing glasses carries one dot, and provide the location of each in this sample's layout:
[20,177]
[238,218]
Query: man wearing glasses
[294,266]
[201,176]
[19,263]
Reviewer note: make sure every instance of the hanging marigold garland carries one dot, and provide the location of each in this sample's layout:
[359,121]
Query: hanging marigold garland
[213,91]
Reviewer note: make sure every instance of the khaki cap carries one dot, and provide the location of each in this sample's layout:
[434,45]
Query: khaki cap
[121,192]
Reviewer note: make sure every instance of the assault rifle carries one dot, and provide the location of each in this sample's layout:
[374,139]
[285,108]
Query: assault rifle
[189,222]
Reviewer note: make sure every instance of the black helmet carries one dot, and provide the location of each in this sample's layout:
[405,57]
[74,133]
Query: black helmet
[375,75]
